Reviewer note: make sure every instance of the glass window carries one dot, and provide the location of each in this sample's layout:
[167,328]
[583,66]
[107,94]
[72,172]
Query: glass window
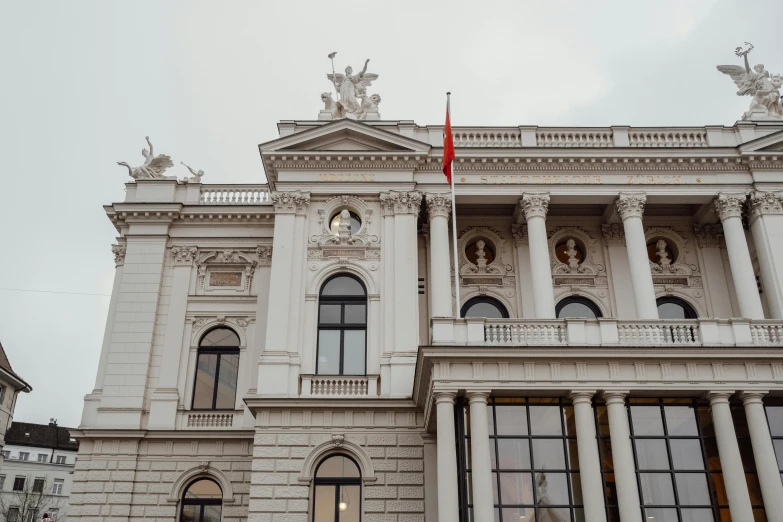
[484,307]
[577,307]
[673,308]
[13,514]
[355,224]
[38,485]
[534,463]
[61,459]
[23,455]
[57,486]
[2,482]
[337,491]
[19,483]
[202,502]
[342,328]
[217,370]
[42,457]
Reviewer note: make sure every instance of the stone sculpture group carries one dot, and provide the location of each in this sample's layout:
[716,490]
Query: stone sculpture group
[154,167]
[756,82]
[353,100]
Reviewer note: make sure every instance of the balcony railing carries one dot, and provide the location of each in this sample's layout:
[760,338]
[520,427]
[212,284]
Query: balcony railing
[234,195]
[210,420]
[606,332]
[337,386]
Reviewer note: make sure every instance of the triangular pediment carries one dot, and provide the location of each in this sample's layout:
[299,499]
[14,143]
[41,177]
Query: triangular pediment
[344,135]
[771,143]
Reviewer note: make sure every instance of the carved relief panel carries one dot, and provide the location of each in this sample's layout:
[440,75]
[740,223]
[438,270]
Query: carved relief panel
[230,271]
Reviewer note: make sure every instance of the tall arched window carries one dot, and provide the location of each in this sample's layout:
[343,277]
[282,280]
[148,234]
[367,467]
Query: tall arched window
[673,308]
[215,386]
[338,491]
[484,307]
[575,306]
[342,327]
[202,502]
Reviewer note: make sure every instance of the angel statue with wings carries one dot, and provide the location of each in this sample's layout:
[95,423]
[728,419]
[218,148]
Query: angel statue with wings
[756,82]
[153,167]
[352,91]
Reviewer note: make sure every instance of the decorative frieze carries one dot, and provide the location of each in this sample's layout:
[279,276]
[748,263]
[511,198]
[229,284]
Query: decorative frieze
[708,236]
[765,203]
[293,202]
[614,234]
[119,254]
[438,205]
[398,202]
[630,205]
[729,205]
[534,205]
[184,255]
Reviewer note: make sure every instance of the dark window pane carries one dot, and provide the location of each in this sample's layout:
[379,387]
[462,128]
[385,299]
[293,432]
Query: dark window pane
[713,459]
[227,384]
[576,310]
[337,467]
[573,455]
[570,424]
[220,337]
[705,422]
[511,420]
[779,452]
[203,489]
[516,488]
[350,498]
[343,285]
[606,454]
[548,454]
[686,454]
[212,513]
[551,489]
[611,489]
[692,489]
[38,485]
[205,380]
[355,313]
[545,420]
[661,515]
[603,421]
[191,513]
[576,488]
[697,515]
[354,352]
[514,454]
[759,515]
[491,420]
[484,309]
[646,420]
[657,489]
[718,489]
[754,489]
[613,514]
[680,420]
[651,454]
[328,352]
[324,507]
[775,416]
[746,453]
[330,314]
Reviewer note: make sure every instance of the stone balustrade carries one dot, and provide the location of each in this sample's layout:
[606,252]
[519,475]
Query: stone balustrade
[234,195]
[574,138]
[606,332]
[336,386]
[487,138]
[658,138]
[208,420]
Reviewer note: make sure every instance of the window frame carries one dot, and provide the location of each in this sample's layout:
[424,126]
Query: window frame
[338,481]
[44,455]
[589,303]
[38,485]
[342,326]
[184,501]
[61,459]
[17,478]
[24,456]
[690,311]
[219,351]
[15,516]
[486,300]
[58,490]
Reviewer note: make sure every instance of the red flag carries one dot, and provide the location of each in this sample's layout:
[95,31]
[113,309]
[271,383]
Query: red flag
[448,146]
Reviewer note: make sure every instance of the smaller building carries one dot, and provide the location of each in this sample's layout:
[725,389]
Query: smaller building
[10,386]
[37,471]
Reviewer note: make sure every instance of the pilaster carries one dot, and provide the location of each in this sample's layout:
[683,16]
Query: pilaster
[438,210]
[766,226]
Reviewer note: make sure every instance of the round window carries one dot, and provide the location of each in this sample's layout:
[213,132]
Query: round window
[334,223]
[659,249]
[569,249]
[480,249]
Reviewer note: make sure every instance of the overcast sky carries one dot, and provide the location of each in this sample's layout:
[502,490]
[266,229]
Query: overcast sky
[84,81]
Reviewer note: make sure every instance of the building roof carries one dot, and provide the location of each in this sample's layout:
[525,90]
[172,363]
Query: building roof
[40,436]
[5,367]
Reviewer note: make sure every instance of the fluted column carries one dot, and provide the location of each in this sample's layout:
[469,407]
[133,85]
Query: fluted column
[764,455]
[631,207]
[589,460]
[728,207]
[766,225]
[730,459]
[481,463]
[438,210]
[535,207]
[448,501]
[622,455]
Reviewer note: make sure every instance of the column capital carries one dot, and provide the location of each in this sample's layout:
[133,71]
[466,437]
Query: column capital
[438,205]
[728,205]
[119,254]
[444,396]
[520,234]
[718,397]
[708,236]
[534,205]
[400,202]
[477,396]
[582,396]
[183,255]
[752,397]
[614,397]
[763,203]
[614,234]
[291,202]
[630,205]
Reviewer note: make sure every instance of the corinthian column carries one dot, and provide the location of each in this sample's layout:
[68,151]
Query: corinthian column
[728,207]
[438,209]
[535,207]
[764,455]
[631,207]
[766,225]
[622,455]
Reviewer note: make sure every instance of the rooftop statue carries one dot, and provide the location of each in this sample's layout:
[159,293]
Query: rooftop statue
[756,82]
[353,101]
[196,174]
[153,167]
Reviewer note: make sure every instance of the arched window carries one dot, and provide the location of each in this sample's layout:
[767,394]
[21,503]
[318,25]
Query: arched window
[202,502]
[342,327]
[484,307]
[338,491]
[217,366]
[577,307]
[673,308]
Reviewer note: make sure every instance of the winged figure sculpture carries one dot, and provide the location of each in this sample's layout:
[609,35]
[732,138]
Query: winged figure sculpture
[153,166]
[353,100]
[758,83]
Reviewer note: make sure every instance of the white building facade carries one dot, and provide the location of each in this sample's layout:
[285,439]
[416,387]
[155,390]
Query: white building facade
[289,352]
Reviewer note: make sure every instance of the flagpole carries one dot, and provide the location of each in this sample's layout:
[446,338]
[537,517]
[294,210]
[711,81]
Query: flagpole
[458,312]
